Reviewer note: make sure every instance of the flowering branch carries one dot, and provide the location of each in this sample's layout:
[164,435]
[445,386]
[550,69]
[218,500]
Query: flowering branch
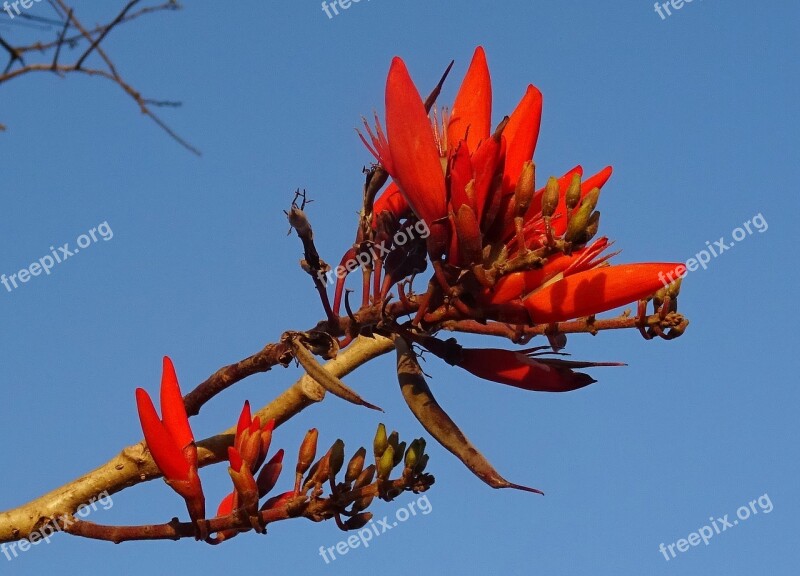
[507,260]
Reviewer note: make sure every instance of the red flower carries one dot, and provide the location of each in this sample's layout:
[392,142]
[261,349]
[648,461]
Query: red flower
[250,447]
[171,442]
[476,192]
[522,371]
[594,291]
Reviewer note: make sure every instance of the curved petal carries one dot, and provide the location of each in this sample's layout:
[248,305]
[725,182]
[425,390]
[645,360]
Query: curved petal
[391,200]
[245,420]
[597,290]
[166,453]
[172,407]
[516,369]
[226,506]
[519,284]
[521,134]
[471,116]
[415,158]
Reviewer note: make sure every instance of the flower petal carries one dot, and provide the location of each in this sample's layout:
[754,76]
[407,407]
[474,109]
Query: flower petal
[226,506]
[415,158]
[172,407]
[517,369]
[521,134]
[471,116]
[596,290]
[245,420]
[166,453]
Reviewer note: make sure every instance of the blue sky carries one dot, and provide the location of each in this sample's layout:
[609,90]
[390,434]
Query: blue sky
[698,115]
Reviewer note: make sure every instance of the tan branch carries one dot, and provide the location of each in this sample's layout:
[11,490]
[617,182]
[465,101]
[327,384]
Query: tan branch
[134,465]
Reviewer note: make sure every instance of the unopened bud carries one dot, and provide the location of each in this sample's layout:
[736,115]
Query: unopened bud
[337,457]
[269,474]
[399,452]
[323,469]
[358,521]
[423,463]
[356,465]
[574,192]
[579,220]
[308,450]
[381,442]
[412,455]
[394,439]
[468,231]
[674,288]
[363,502]
[526,186]
[592,226]
[386,463]
[550,197]
[658,298]
[365,477]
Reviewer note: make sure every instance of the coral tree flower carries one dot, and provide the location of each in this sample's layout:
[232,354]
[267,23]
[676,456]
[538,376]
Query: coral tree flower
[171,442]
[526,248]
[249,451]
[523,371]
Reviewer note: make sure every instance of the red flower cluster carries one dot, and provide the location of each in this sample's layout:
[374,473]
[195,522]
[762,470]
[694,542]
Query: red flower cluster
[171,443]
[520,253]
[248,453]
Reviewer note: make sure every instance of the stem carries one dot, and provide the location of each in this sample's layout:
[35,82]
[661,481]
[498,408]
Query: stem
[134,465]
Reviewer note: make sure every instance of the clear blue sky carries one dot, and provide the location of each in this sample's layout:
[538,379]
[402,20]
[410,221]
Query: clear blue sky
[698,115]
